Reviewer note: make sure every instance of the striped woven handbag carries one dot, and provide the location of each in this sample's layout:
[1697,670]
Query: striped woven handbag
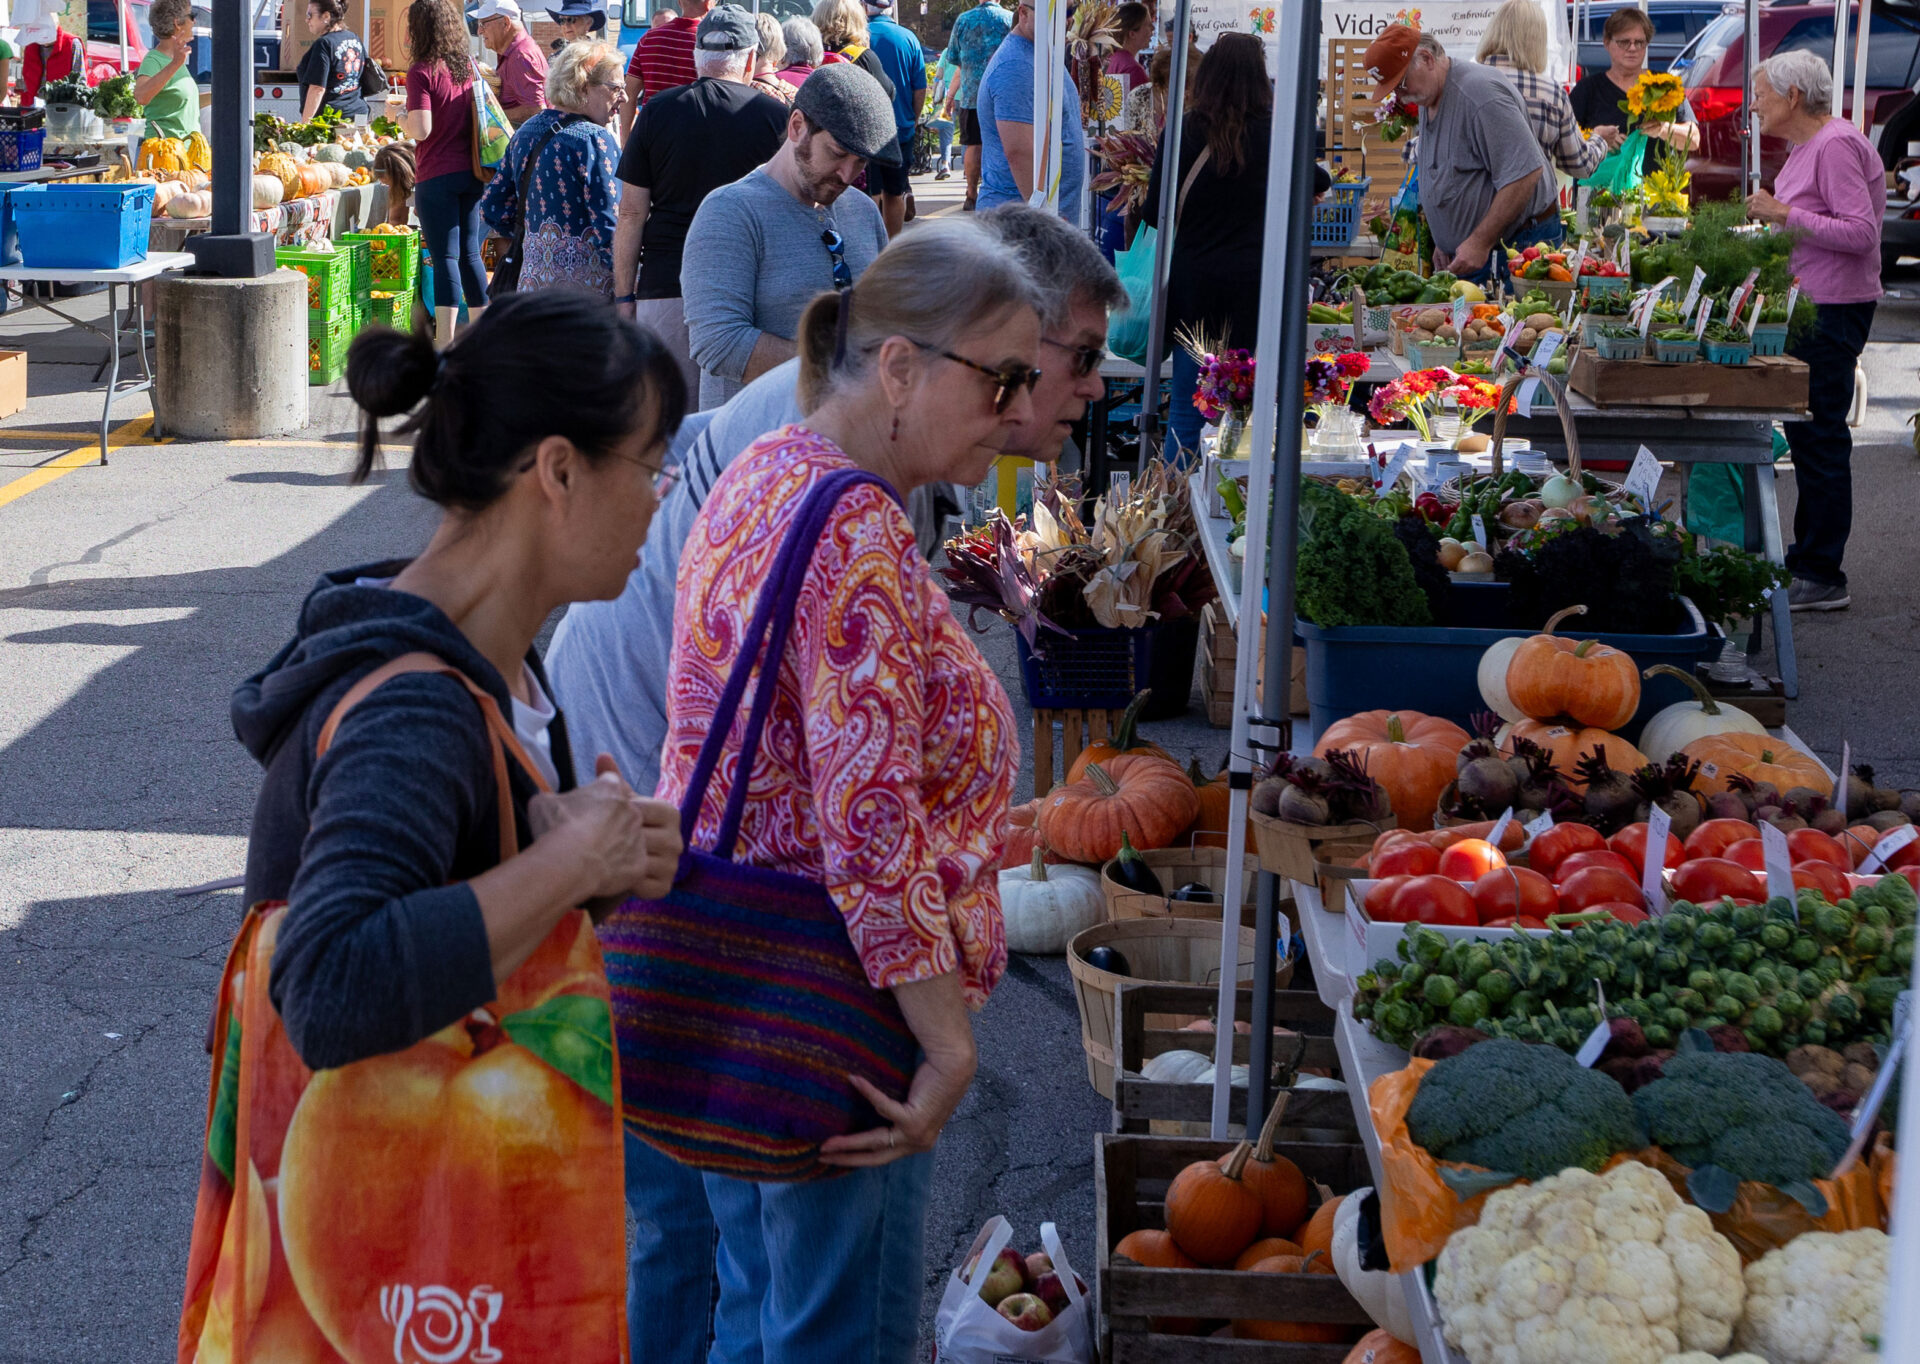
[739,1004]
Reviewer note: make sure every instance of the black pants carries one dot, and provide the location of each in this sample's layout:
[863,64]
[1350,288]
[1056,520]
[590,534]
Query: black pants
[1822,446]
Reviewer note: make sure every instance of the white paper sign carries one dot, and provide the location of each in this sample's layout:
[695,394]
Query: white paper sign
[1659,825]
[1602,1033]
[1536,827]
[1579,259]
[1480,538]
[1869,1108]
[1700,322]
[1887,847]
[1643,479]
[1846,769]
[1779,864]
[1460,307]
[1385,474]
[1543,352]
[1693,290]
[1739,298]
[1500,825]
[1753,313]
[1793,297]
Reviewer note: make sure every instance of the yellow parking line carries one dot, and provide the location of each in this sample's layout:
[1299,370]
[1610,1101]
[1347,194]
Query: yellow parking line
[64,436]
[126,433]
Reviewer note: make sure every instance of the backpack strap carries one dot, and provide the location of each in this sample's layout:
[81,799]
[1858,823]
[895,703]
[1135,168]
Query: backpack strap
[500,735]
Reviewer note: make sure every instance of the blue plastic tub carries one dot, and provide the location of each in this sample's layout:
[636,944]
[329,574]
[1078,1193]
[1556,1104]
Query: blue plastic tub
[83,227]
[1435,669]
[1337,222]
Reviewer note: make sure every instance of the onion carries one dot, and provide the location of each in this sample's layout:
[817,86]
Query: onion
[1520,515]
[1555,514]
[1589,508]
[1451,553]
[1479,561]
[1559,491]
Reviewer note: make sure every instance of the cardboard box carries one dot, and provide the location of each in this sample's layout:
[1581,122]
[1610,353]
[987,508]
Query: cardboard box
[13,382]
[1766,383]
[381,24]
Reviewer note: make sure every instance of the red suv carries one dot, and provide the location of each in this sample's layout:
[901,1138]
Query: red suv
[1711,66]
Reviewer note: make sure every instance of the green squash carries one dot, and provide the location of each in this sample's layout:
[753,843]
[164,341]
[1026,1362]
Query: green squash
[359,159]
[329,151]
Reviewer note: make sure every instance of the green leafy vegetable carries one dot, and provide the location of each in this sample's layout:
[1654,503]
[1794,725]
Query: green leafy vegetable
[1352,569]
[1511,1106]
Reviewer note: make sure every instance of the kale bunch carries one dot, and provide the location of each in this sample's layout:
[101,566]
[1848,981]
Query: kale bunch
[1351,568]
[1625,580]
[1521,1109]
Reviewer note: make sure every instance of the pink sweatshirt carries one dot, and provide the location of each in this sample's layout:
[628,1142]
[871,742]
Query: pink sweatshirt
[1835,188]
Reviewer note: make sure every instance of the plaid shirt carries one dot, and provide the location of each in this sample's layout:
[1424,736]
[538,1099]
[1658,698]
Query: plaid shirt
[1551,115]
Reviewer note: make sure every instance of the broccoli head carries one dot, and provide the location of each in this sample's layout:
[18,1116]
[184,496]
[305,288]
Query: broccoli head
[1522,1109]
[1739,1115]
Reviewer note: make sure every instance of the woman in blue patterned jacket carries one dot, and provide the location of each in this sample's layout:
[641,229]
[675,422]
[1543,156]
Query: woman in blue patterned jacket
[557,182]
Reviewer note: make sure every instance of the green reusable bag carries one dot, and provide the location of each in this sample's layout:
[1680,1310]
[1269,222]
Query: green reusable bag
[1620,173]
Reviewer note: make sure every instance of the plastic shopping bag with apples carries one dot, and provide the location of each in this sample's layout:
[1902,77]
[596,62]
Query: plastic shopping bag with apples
[1004,1308]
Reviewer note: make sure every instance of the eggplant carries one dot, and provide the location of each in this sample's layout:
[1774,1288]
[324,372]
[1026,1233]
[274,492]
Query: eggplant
[1196,893]
[1104,958]
[1130,869]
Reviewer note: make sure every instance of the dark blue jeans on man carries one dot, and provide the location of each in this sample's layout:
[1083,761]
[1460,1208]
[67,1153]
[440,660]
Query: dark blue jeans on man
[1549,232]
[1822,446]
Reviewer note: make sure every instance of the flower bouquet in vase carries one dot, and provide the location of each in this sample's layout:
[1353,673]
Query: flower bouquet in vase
[1224,393]
[1328,383]
[1415,398]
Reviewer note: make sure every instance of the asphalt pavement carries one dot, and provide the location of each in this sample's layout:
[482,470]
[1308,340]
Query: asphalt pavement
[134,597]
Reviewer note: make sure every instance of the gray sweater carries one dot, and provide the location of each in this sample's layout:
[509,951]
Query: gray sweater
[754,260]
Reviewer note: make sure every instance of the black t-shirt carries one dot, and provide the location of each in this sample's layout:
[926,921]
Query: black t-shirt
[337,63]
[687,142]
[1596,103]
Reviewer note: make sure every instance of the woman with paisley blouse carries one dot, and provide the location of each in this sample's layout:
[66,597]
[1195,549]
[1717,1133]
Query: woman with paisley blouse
[559,175]
[888,761]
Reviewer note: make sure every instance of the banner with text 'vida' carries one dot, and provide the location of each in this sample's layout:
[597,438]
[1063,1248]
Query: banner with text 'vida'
[1458,24]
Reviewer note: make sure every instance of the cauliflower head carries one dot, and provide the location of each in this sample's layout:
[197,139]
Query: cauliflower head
[1816,1299]
[1702,1357]
[1589,1269]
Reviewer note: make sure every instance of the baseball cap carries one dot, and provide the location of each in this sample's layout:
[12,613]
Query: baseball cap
[1388,57]
[879,6]
[850,105]
[726,28]
[494,9]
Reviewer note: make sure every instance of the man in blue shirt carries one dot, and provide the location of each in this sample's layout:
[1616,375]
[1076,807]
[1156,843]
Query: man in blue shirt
[976,36]
[905,65]
[1007,131]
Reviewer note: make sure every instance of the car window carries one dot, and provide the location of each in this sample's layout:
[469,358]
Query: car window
[1890,51]
[1703,54]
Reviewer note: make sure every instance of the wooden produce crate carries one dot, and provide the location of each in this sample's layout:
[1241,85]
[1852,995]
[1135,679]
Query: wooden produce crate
[1071,730]
[1130,1178]
[1177,867]
[1219,650]
[1766,383]
[1142,1105]
[1295,851]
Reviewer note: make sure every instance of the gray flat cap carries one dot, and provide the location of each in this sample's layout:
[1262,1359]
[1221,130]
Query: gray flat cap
[850,105]
[726,28]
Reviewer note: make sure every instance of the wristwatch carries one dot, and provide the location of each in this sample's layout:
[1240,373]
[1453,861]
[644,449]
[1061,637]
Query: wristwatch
[628,298]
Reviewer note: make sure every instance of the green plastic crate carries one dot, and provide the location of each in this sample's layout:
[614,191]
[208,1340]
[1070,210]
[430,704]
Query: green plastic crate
[327,351]
[394,257]
[392,309]
[361,253]
[329,281]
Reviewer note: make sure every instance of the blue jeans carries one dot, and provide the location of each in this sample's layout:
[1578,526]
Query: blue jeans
[942,129]
[671,1284]
[824,1272]
[1183,418]
[449,209]
[1549,233]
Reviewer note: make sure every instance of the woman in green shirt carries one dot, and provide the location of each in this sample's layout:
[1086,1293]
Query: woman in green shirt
[164,87]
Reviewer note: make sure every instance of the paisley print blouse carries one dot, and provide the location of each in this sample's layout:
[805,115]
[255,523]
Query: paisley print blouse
[889,754]
[569,200]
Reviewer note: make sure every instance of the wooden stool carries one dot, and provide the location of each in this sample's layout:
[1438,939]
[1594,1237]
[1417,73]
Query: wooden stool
[1081,728]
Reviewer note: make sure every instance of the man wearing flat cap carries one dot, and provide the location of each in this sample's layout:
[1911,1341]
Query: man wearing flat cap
[1484,180]
[763,246]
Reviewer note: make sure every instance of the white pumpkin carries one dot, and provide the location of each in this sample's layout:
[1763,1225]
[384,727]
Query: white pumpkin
[192,203]
[1236,1078]
[1492,672]
[164,193]
[337,174]
[1673,727]
[1177,1067]
[1044,907]
[267,190]
[1377,1290]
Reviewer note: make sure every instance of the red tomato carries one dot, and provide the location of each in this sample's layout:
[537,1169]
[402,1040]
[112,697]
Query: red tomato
[1471,859]
[1824,877]
[1705,880]
[1509,892]
[1523,921]
[1858,840]
[1715,836]
[1624,912]
[1631,843]
[1593,886]
[1554,846]
[1434,900]
[1908,856]
[1913,876]
[1749,853]
[1810,845]
[1379,902]
[1408,858]
[1597,857]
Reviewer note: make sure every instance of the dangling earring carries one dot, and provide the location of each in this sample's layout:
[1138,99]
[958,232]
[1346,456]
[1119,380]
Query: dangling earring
[895,437]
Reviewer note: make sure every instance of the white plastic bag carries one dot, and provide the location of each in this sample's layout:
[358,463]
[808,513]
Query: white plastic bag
[967,1331]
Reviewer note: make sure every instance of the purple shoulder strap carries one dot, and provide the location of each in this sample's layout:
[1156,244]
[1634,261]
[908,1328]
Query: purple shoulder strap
[772,623]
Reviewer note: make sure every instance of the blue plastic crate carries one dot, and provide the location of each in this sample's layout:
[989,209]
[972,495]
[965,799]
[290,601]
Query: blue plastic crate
[83,227]
[20,148]
[1336,222]
[1086,669]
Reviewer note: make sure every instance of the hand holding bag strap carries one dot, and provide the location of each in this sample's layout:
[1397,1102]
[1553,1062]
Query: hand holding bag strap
[1186,185]
[500,735]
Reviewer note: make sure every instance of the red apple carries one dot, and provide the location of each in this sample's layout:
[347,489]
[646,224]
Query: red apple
[1025,1311]
[1038,1263]
[1052,1290]
[1008,1276]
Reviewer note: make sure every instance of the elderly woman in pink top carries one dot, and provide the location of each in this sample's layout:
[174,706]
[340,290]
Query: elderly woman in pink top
[1831,192]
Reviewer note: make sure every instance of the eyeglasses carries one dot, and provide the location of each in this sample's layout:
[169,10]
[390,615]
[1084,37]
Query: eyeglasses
[1086,359]
[836,252]
[1631,44]
[1007,382]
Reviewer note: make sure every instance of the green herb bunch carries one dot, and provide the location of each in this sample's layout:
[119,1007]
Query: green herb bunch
[1726,582]
[114,98]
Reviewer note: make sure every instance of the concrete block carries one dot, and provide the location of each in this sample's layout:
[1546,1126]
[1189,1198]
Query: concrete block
[231,355]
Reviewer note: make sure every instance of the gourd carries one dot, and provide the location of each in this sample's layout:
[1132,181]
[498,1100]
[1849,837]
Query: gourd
[1265,1249]
[164,193]
[199,153]
[1044,909]
[1124,741]
[1216,808]
[1178,1067]
[1674,727]
[1155,1249]
[1211,1212]
[329,151]
[1758,757]
[1492,672]
[297,150]
[1275,1180]
[358,158]
[1374,1289]
[267,191]
[161,154]
[1378,1347]
[1410,756]
[1566,744]
[192,203]
[1149,796]
[1328,1332]
[313,179]
[284,169]
[195,179]
[337,174]
[1584,680]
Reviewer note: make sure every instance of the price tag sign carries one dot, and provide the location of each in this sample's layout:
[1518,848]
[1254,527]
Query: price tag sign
[1693,290]
[1869,1108]
[1779,864]
[1793,297]
[1460,310]
[1740,294]
[1753,313]
[1846,771]
[1500,825]
[1700,322]
[1480,536]
[1887,847]
[1659,825]
[1536,827]
[1579,259]
[1643,479]
[1602,1033]
[1544,350]
[1388,469]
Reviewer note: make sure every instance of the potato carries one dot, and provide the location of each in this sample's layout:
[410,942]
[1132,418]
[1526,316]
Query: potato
[1540,321]
[1446,332]
[1431,320]
[1472,444]
[1420,335]
[1524,342]
[1477,561]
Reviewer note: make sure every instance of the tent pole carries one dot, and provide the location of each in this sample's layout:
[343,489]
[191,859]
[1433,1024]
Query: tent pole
[1860,42]
[1838,66]
[1163,240]
[1749,135]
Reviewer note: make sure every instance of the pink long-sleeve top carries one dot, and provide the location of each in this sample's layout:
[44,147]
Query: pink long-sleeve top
[889,754]
[1835,189]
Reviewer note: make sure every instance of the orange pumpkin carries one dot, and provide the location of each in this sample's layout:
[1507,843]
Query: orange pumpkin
[1155,1249]
[1211,1212]
[1266,1248]
[1125,740]
[1412,757]
[1146,797]
[1325,1332]
[1216,809]
[1281,1187]
[1758,757]
[1377,1347]
[1317,1232]
[1566,743]
[313,178]
[1023,833]
[1584,680]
